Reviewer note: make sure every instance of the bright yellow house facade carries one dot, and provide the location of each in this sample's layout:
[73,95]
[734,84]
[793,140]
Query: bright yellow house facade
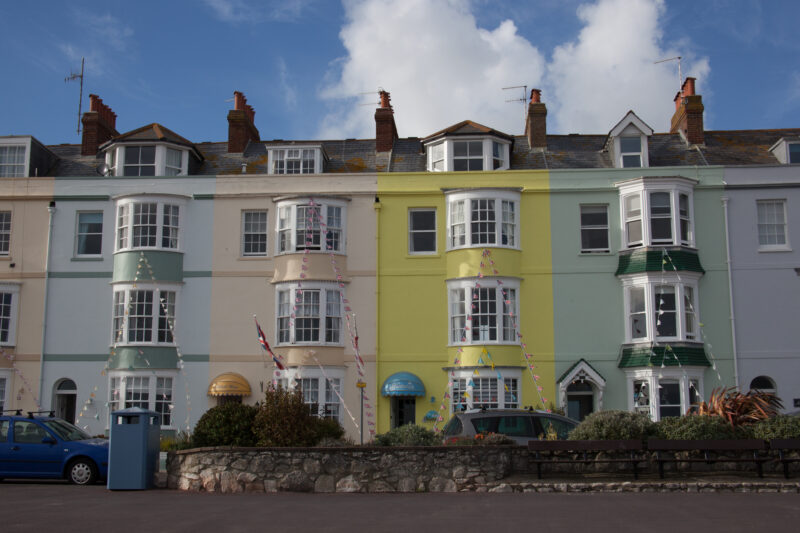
[465,294]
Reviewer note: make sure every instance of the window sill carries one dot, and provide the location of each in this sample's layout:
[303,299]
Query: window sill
[422,255]
[589,253]
[5,257]
[482,343]
[253,258]
[307,344]
[480,246]
[776,249]
[87,258]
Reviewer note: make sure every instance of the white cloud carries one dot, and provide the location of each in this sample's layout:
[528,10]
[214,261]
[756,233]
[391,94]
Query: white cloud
[289,93]
[438,65]
[441,68]
[235,11]
[593,81]
[104,37]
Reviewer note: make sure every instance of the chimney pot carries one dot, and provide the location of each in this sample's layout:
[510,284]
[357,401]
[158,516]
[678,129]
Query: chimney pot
[688,87]
[536,96]
[536,121]
[385,127]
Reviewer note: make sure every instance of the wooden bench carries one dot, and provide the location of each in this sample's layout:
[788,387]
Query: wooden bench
[633,448]
[666,450]
[783,446]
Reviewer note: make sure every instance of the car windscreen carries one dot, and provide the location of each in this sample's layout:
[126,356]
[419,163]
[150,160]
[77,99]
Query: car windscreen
[65,430]
[552,425]
[453,427]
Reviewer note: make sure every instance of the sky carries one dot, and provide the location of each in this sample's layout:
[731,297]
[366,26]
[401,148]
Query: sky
[312,69]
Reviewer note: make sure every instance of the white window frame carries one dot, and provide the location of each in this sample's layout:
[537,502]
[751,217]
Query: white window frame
[293,378]
[650,283]
[463,203]
[122,378]
[246,232]
[441,153]
[280,155]
[12,290]
[464,376]
[685,376]
[288,227]
[16,169]
[595,227]
[115,159]
[644,189]
[5,388]
[330,331]
[6,225]
[122,313]
[78,233]
[165,230]
[773,247]
[623,155]
[460,299]
[412,231]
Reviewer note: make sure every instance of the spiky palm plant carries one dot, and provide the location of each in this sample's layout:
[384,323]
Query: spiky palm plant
[739,408]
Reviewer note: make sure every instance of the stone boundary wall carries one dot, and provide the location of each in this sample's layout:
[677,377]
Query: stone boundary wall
[395,469]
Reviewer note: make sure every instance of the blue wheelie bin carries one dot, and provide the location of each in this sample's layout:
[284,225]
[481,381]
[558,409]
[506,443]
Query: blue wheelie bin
[133,449]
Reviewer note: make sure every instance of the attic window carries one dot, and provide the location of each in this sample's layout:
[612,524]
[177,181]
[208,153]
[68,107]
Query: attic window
[467,155]
[631,151]
[305,160]
[794,152]
[147,160]
[12,160]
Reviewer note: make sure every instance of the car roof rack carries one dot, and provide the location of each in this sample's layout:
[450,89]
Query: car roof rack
[17,412]
[49,413]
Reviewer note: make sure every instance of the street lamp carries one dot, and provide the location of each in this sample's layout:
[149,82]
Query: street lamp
[360,384]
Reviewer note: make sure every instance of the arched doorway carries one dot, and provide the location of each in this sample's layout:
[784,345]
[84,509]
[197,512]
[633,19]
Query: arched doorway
[65,399]
[580,390]
[580,400]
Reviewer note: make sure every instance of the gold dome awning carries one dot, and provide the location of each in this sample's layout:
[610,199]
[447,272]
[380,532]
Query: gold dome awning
[229,384]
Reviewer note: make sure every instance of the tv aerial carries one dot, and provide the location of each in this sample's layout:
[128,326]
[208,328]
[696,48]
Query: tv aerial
[524,98]
[72,77]
[680,76]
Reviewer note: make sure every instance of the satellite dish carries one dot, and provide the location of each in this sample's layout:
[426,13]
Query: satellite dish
[102,169]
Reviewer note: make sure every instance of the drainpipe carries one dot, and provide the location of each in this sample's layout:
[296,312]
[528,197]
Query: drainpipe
[51,209]
[730,292]
[377,207]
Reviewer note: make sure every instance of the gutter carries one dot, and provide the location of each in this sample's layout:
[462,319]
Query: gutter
[725,200]
[51,209]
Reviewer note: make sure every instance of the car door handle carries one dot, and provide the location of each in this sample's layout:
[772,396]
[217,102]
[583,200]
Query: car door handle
[14,448]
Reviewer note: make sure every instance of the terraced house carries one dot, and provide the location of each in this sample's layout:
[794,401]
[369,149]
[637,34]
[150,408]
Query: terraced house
[469,268]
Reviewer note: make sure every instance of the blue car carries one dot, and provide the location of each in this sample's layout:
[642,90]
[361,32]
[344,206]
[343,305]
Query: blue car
[47,447]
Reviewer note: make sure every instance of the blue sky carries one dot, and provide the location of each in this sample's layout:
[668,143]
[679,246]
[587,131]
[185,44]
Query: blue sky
[311,68]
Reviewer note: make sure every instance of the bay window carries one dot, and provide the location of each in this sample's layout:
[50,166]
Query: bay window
[9,302]
[153,392]
[142,315]
[656,211]
[489,389]
[148,223]
[483,314]
[311,314]
[321,388]
[303,225]
[483,218]
[661,307]
[664,392]
[153,159]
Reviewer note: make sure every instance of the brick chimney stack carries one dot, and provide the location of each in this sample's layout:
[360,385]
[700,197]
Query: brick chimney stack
[241,124]
[99,125]
[688,117]
[385,128]
[536,121]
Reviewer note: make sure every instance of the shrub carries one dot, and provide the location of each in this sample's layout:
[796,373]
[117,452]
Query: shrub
[328,429]
[283,419]
[229,424]
[408,435]
[614,425]
[180,441]
[778,427]
[696,427]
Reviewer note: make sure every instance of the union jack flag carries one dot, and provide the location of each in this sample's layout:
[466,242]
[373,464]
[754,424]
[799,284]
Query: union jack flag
[264,344]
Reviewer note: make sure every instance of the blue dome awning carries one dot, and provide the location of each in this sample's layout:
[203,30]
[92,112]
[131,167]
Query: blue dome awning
[403,384]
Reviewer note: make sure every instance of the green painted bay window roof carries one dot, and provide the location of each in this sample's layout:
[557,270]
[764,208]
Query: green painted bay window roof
[658,260]
[667,355]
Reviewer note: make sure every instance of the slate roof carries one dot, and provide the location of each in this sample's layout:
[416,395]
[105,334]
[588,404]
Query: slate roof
[574,151]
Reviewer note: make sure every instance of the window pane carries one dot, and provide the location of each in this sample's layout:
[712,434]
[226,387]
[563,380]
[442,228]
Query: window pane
[661,217]
[484,315]
[669,399]
[665,314]
[458,313]
[254,233]
[771,223]
[638,318]
[594,227]
[90,233]
[794,153]
[631,161]
[483,222]
[630,144]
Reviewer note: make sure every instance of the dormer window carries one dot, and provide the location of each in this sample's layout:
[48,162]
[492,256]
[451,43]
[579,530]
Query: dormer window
[147,160]
[656,211]
[787,150]
[631,151]
[627,142]
[468,155]
[12,160]
[305,160]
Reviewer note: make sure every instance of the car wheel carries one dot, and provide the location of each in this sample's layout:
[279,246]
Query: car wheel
[82,472]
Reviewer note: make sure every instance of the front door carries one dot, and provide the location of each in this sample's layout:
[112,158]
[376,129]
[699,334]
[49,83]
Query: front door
[404,411]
